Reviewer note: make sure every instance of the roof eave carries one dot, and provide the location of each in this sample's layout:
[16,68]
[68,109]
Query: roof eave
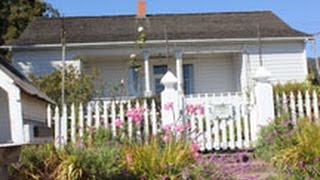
[111,43]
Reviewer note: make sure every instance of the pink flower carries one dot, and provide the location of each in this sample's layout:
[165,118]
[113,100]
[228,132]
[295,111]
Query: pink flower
[119,122]
[166,138]
[167,128]
[180,128]
[196,155]
[128,158]
[200,109]
[168,106]
[136,114]
[191,109]
[195,147]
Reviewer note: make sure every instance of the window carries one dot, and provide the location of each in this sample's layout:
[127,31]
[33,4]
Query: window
[159,71]
[188,78]
[134,82]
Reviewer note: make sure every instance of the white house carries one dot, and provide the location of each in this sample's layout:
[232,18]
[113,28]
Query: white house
[23,118]
[208,52]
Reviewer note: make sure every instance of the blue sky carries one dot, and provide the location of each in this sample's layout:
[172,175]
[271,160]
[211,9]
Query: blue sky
[303,15]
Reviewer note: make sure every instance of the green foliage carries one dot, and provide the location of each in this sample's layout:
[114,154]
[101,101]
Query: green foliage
[273,138]
[301,158]
[295,87]
[37,162]
[293,149]
[90,163]
[155,160]
[16,14]
[98,160]
[78,87]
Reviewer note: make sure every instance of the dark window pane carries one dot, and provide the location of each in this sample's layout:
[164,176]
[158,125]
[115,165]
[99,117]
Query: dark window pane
[188,78]
[160,69]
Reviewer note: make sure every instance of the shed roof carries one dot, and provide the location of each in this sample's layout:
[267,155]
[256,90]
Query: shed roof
[21,81]
[178,26]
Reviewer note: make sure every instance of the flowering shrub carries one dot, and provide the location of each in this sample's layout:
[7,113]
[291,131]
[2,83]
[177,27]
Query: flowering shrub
[295,150]
[273,138]
[170,155]
[301,158]
[136,114]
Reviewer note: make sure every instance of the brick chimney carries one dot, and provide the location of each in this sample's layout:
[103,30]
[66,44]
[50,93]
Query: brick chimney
[141,11]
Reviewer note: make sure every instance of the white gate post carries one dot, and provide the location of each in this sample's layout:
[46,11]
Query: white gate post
[169,95]
[264,99]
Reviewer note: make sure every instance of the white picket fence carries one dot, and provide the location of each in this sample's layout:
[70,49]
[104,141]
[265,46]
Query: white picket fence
[225,123]
[300,105]
[71,126]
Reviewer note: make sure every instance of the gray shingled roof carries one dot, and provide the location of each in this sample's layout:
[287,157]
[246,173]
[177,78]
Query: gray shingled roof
[21,81]
[179,26]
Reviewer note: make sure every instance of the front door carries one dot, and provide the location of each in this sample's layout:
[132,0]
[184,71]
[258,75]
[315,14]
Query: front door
[158,72]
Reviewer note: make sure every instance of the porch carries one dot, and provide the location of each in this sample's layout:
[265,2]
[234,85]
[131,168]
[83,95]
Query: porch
[197,73]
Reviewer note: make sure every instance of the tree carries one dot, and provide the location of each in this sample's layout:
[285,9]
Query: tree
[78,87]
[16,14]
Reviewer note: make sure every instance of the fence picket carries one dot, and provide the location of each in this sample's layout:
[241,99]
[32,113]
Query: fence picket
[73,123]
[113,119]
[231,143]
[277,105]
[193,127]
[97,115]
[64,125]
[105,114]
[129,121]
[49,116]
[154,118]
[300,105]
[81,121]
[223,126]
[308,106]
[285,107]
[138,133]
[216,128]
[146,120]
[246,126]
[89,118]
[208,125]
[238,124]
[315,106]
[253,117]
[201,139]
[57,128]
[293,108]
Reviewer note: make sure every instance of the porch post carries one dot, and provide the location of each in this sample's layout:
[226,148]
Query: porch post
[179,71]
[243,77]
[147,91]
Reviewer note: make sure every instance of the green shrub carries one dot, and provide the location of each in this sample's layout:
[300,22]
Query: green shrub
[36,162]
[302,157]
[95,158]
[155,160]
[78,87]
[274,137]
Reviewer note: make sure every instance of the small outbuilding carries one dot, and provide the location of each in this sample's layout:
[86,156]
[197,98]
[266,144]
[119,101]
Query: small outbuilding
[23,114]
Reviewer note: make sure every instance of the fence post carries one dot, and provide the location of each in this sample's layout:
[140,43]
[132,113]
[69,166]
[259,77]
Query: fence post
[264,99]
[169,97]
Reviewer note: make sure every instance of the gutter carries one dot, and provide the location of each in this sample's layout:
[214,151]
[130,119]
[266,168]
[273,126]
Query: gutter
[115,43]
